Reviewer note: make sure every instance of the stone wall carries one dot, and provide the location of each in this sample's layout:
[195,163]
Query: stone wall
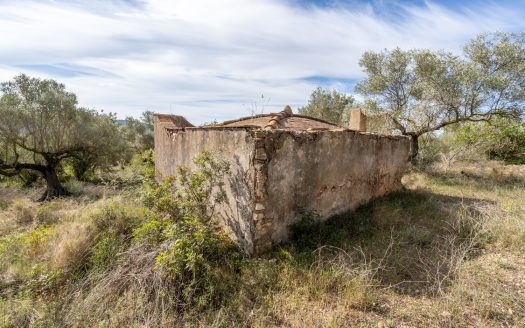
[179,147]
[326,171]
[277,173]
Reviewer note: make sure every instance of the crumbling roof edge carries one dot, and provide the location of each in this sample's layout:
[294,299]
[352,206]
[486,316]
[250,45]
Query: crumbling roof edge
[316,119]
[214,127]
[270,115]
[343,130]
[251,127]
[168,121]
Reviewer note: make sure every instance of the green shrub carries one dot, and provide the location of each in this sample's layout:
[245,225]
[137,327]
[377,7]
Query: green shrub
[167,263]
[82,169]
[74,186]
[28,178]
[194,255]
[151,232]
[129,265]
[24,179]
[501,139]
[430,150]
[198,260]
[105,251]
[190,194]
[123,218]
[114,224]
[77,169]
[140,169]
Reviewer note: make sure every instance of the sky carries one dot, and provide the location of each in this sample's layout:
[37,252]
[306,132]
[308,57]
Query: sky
[221,59]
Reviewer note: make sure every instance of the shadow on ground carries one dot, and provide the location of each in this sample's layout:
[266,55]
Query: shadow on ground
[483,180]
[413,241]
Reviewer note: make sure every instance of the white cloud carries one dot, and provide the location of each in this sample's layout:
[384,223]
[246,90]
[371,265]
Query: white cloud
[211,59]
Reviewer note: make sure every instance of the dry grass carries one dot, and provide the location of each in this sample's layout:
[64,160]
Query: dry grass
[71,247]
[445,252]
[23,212]
[134,291]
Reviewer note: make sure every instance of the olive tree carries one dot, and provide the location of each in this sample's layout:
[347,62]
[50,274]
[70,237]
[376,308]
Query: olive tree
[41,126]
[420,91]
[139,132]
[331,106]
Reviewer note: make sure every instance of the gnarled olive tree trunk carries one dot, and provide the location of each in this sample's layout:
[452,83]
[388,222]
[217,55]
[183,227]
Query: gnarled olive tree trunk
[53,189]
[414,148]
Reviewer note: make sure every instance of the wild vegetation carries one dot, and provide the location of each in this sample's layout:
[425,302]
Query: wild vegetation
[114,247]
[446,251]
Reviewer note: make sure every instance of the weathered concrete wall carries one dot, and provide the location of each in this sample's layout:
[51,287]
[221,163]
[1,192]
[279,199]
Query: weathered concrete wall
[275,173]
[327,171]
[179,147]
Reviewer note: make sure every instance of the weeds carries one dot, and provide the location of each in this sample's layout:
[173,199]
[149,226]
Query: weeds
[165,266]
[74,187]
[110,244]
[47,214]
[444,252]
[4,204]
[23,213]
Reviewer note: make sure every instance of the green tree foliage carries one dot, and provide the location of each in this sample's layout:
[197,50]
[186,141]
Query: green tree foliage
[139,132]
[331,106]
[42,126]
[420,91]
[502,139]
[135,141]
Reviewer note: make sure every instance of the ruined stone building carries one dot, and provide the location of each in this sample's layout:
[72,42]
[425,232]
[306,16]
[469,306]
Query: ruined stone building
[282,164]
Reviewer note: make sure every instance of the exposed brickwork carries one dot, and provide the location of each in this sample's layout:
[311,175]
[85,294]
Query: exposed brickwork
[262,224]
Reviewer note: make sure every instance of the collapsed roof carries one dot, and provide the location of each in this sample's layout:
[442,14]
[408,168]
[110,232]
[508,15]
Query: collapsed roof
[283,120]
[172,121]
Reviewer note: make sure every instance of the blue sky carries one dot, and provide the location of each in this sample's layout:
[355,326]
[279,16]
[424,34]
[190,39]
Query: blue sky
[220,59]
